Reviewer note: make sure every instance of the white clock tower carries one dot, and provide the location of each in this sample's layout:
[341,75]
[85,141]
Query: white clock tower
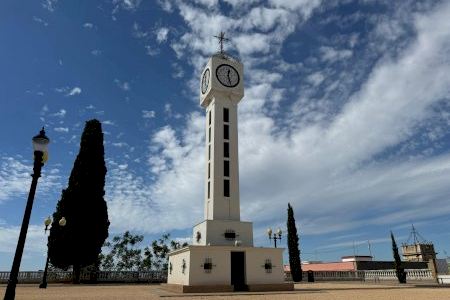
[222,256]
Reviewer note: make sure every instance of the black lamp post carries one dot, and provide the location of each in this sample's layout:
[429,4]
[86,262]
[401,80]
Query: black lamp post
[47,222]
[276,236]
[40,143]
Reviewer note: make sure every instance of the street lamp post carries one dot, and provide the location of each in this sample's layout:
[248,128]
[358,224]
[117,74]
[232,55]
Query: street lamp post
[40,144]
[47,222]
[276,236]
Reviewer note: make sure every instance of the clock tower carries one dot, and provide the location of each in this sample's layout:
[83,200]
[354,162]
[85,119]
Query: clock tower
[221,256]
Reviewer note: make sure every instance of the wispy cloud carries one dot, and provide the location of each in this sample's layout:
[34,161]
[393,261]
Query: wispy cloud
[88,25]
[39,20]
[96,52]
[148,114]
[61,113]
[15,179]
[75,91]
[332,161]
[161,34]
[49,5]
[61,129]
[123,85]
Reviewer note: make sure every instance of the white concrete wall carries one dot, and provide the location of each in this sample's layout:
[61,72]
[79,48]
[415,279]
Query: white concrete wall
[220,256]
[255,259]
[218,97]
[220,273]
[212,232]
[177,276]
[217,206]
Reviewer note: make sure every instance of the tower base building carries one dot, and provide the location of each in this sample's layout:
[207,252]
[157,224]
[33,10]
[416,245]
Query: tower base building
[222,257]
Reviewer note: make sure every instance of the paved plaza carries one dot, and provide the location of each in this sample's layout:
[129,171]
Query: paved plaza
[344,291]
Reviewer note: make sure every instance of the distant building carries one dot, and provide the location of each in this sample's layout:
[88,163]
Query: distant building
[417,248]
[356,263]
[418,252]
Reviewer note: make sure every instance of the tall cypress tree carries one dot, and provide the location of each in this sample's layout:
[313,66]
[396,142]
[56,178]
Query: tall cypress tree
[79,243]
[294,252]
[399,271]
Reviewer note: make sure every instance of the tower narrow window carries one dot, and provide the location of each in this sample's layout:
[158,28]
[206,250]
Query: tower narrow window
[226,168]
[226,115]
[209,152]
[226,132]
[209,188]
[209,135]
[226,149]
[209,170]
[226,188]
[209,117]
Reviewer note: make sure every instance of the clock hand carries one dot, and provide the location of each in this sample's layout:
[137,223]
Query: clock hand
[228,76]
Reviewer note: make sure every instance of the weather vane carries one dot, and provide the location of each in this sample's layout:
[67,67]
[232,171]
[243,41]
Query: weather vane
[222,39]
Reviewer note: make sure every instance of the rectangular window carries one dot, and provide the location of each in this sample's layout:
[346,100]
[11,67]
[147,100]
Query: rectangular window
[226,188]
[226,132]
[209,117]
[209,152]
[226,168]
[226,149]
[209,187]
[209,170]
[226,116]
[209,135]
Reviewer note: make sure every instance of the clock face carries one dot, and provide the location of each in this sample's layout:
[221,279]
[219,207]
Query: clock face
[227,75]
[205,81]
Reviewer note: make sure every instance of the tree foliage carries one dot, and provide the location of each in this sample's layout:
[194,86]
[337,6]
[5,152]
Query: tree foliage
[293,246]
[124,254]
[79,243]
[399,270]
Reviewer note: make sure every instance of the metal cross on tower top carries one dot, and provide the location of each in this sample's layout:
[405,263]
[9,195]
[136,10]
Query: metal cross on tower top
[222,39]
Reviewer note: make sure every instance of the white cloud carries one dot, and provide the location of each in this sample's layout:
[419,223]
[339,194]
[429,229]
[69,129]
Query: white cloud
[127,4]
[74,91]
[332,55]
[316,78]
[161,34]
[36,239]
[15,179]
[138,32]
[124,86]
[39,20]
[305,7]
[61,113]
[88,25]
[49,4]
[166,5]
[326,169]
[108,122]
[120,144]
[151,51]
[61,129]
[96,52]
[148,114]
[178,71]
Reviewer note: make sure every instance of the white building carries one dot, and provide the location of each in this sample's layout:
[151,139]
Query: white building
[222,257]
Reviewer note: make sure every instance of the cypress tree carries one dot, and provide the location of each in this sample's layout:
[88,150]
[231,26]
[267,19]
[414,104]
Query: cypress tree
[399,271]
[294,252]
[78,244]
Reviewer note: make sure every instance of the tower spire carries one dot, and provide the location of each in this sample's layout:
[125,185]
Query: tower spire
[221,37]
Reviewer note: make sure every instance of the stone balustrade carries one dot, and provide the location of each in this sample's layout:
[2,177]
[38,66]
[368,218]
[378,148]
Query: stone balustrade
[102,276]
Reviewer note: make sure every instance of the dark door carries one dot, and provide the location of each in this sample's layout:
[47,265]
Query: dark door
[238,271]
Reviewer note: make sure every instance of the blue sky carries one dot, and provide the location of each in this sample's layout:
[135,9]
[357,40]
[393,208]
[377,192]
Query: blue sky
[345,115]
